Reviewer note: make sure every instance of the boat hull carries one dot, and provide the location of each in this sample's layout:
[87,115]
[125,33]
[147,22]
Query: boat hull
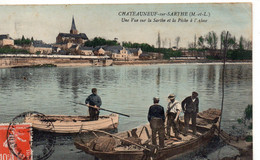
[71,124]
[172,151]
[173,147]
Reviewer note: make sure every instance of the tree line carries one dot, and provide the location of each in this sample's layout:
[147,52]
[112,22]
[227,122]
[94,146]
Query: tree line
[98,41]
[238,49]
[210,41]
[23,41]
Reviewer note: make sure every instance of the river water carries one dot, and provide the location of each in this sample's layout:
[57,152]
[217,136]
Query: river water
[125,89]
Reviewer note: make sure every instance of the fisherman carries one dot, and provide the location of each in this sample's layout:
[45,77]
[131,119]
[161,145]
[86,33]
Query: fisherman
[190,107]
[93,102]
[156,117]
[172,114]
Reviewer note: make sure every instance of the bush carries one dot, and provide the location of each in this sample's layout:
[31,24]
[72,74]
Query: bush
[249,138]
[239,54]
[245,123]
[213,57]
[9,50]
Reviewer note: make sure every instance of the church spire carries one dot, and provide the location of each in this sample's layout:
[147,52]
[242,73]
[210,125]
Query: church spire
[73,29]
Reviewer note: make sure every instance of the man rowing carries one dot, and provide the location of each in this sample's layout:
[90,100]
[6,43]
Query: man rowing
[93,102]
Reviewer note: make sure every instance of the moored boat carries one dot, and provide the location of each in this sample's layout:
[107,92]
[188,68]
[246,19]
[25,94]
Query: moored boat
[136,144]
[71,124]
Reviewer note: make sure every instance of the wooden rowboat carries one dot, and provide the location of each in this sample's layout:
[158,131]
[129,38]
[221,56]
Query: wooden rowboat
[70,124]
[136,144]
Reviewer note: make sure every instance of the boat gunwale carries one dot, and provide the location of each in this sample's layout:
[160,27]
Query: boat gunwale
[208,133]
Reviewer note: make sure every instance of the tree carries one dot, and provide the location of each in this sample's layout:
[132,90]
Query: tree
[222,35]
[211,39]
[242,43]
[170,43]
[201,42]
[177,40]
[249,45]
[191,45]
[158,40]
[23,38]
[215,40]
[231,41]
[164,41]
[195,41]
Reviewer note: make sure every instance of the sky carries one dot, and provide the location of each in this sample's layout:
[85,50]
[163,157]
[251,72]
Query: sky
[46,21]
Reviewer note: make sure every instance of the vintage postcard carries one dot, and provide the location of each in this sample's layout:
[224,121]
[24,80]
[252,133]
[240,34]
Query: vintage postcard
[128,81]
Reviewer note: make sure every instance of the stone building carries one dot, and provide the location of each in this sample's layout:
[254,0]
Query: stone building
[88,51]
[40,47]
[122,53]
[99,51]
[72,37]
[5,40]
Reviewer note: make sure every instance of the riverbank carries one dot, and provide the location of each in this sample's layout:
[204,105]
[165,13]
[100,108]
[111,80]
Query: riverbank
[151,62]
[16,62]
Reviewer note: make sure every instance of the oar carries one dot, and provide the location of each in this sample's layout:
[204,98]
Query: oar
[96,130]
[102,109]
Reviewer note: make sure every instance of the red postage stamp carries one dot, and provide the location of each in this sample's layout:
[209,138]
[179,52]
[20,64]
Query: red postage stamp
[15,142]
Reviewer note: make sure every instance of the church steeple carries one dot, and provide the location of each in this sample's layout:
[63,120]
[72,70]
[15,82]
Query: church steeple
[73,29]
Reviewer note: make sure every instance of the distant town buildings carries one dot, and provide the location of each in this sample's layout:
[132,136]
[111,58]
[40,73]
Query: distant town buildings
[5,40]
[73,43]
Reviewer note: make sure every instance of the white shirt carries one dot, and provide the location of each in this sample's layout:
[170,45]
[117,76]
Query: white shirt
[174,106]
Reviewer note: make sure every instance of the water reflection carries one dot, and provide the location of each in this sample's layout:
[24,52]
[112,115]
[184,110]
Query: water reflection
[211,79]
[158,77]
[123,88]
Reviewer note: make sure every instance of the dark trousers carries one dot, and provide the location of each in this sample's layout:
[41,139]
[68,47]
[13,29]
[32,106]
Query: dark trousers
[172,124]
[157,126]
[93,113]
[187,117]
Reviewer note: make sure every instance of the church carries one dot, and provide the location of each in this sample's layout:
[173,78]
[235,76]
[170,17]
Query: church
[73,37]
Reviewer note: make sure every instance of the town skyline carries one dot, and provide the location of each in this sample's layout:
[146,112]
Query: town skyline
[44,22]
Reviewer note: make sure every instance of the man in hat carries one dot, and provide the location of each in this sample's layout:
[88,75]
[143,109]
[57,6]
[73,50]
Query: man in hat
[93,102]
[156,117]
[173,112]
[190,107]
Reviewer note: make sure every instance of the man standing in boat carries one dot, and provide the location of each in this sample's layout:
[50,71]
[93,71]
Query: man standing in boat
[190,106]
[93,102]
[156,117]
[173,112]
